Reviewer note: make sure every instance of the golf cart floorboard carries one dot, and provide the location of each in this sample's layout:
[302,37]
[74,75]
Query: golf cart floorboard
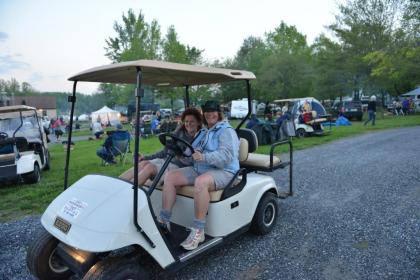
[177,235]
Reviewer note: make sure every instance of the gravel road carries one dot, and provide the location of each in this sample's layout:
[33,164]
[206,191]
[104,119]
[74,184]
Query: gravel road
[355,214]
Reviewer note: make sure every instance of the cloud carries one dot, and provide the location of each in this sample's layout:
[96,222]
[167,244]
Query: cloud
[9,62]
[3,36]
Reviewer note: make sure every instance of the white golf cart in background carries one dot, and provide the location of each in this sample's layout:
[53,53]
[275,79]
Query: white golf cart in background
[104,228]
[295,109]
[23,144]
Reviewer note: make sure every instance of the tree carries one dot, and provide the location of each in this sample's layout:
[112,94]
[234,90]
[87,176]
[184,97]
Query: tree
[136,39]
[330,79]
[362,27]
[287,71]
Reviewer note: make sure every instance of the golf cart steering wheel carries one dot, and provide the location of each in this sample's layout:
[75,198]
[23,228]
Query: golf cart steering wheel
[176,144]
[3,135]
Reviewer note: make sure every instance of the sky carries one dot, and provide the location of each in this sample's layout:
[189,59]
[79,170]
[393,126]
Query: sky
[44,42]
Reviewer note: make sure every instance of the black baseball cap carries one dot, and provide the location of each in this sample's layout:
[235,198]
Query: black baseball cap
[211,106]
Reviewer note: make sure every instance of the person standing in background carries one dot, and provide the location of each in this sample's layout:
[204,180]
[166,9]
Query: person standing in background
[371,110]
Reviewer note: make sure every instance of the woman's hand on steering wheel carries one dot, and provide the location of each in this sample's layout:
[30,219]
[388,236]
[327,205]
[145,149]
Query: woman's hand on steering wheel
[177,145]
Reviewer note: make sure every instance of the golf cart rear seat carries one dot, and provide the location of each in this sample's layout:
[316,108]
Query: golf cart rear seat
[259,162]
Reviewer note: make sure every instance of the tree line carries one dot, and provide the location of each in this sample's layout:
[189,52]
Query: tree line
[373,48]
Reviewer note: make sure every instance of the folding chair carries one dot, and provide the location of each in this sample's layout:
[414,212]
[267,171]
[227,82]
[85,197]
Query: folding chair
[120,148]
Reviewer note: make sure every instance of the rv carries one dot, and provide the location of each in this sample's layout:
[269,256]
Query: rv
[239,108]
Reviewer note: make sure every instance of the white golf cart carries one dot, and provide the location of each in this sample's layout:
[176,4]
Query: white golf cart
[23,144]
[318,115]
[91,222]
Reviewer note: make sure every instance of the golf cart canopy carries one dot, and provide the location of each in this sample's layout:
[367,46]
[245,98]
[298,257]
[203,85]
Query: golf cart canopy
[16,108]
[160,73]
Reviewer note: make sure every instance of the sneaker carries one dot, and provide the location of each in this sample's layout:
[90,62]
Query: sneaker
[196,237]
[165,226]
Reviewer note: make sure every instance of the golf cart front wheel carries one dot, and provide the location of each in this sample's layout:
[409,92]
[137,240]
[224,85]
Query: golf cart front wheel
[266,215]
[116,268]
[43,261]
[33,177]
[300,133]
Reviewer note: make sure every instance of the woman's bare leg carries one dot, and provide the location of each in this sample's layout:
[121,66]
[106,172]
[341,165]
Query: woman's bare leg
[129,174]
[148,170]
[172,181]
[203,185]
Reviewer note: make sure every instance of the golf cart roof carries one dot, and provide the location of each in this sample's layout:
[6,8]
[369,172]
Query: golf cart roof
[160,73]
[16,108]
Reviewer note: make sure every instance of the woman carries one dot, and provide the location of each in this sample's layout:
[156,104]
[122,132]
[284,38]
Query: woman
[216,160]
[150,165]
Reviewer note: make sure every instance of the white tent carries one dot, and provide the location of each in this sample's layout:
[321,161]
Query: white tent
[106,116]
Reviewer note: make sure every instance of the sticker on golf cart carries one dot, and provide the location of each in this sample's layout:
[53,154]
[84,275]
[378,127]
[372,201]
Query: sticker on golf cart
[73,207]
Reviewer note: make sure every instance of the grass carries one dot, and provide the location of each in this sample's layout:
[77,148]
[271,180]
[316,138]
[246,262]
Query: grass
[20,200]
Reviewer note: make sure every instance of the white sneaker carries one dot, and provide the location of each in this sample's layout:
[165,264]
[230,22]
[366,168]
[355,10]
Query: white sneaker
[196,237]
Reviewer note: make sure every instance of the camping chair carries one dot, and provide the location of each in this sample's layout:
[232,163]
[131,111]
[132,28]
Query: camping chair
[120,149]
[146,130]
[120,145]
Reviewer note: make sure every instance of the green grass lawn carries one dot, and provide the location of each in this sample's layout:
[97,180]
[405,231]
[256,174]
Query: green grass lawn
[20,200]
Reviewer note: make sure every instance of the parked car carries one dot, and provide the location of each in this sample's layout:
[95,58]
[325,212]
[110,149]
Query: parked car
[23,144]
[166,112]
[350,109]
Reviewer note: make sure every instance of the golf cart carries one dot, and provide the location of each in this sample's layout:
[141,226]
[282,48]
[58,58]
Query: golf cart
[23,144]
[298,108]
[104,228]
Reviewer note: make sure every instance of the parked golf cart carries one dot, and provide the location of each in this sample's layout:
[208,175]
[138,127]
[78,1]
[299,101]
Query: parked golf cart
[317,112]
[91,222]
[23,144]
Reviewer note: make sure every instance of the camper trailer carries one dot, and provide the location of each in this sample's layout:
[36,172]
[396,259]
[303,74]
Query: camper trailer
[239,108]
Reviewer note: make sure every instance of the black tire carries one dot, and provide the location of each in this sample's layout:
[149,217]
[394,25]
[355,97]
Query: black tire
[300,133]
[116,268]
[42,261]
[33,177]
[265,216]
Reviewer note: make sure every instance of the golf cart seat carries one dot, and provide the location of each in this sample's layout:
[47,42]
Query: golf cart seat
[258,162]
[20,142]
[188,191]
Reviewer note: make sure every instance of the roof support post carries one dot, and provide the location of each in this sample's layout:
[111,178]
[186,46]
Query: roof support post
[139,95]
[187,96]
[248,95]
[72,100]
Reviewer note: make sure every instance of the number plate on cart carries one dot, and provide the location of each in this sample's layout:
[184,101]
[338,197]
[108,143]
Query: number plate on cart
[62,224]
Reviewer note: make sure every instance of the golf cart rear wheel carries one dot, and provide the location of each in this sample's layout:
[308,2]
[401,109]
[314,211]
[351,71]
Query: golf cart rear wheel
[116,268]
[300,133]
[266,215]
[43,261]
[33,177]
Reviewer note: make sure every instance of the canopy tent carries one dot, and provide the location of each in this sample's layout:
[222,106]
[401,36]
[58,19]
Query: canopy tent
[414,92]
[106,116]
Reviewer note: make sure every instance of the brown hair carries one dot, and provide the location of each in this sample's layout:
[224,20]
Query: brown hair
[195,113]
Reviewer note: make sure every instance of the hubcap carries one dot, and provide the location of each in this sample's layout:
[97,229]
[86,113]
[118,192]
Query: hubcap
[55,263]
[269,214]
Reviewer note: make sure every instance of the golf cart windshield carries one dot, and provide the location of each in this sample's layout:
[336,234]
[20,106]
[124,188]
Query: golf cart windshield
[28,127]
